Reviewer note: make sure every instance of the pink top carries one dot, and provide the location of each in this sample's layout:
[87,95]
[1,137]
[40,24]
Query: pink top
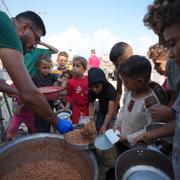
[94,61]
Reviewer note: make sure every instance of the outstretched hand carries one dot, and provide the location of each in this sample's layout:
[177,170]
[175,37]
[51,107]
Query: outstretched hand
[143,138]
[160,112]
[103,128]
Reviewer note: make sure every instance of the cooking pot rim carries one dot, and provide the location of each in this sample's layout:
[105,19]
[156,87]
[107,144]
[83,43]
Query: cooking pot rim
[19,140]
[137,149]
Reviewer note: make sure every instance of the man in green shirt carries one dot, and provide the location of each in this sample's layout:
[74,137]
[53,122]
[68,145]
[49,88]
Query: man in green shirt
[26,28]
[30,58]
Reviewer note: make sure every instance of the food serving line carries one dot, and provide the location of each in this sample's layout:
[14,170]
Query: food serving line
[79,153]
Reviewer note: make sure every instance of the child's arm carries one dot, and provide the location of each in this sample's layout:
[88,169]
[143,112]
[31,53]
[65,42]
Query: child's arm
[18,110]
[91,111]
[109,116]
[118,96]
[117,124]
[53,49]
[141,125]
[69,95]
[167,130]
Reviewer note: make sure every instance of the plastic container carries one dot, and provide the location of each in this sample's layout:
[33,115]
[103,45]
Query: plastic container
[51,92]
[65,126]
[106,151]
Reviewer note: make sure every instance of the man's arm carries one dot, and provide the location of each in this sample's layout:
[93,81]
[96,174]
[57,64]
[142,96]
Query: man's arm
[12,61]
[6,88]
[53,49]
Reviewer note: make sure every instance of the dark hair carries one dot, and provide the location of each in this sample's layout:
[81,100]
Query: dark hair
[82,61]
[151,19]
[43,57]
[93,51]
[156,51]
[63,53]
[136,66]
[96,75]
[118,50]
[34,18]
[170,15]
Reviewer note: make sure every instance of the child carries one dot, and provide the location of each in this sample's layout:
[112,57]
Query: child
[62,61]
[159,55]
[94,61]
[119,53]
[62,82]
[42,79]
[139,97]
[77,90]
[101,89]
[22,115]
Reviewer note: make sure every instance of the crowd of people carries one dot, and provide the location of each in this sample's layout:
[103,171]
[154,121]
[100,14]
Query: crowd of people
[144,101]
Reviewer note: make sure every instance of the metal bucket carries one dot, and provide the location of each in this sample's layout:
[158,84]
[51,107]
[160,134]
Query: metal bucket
[106,152]
[108,157]
[38,147]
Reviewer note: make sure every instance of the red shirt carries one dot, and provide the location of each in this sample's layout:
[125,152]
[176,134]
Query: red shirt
[77,95]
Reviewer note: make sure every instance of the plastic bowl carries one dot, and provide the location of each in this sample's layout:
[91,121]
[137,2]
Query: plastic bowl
[51,92]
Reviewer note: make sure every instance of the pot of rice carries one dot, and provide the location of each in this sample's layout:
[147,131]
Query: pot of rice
[46,156]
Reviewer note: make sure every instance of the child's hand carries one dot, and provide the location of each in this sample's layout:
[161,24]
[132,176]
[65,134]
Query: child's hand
[17,111]
[67,107]
[123,138]
[117,127]
[103,128]
[143,138]
[60,80]
[161,112]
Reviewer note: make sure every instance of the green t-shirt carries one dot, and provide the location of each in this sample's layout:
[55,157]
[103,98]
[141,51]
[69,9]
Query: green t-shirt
[8,35]
[30,59]
[173,76]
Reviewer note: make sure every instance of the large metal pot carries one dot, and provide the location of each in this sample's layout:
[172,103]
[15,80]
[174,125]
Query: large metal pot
[143,164]
[38,147]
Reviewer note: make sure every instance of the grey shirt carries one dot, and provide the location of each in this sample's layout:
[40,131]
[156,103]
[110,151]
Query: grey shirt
[176,145]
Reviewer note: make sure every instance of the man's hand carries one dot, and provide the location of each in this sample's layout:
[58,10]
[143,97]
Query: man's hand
[161,112]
